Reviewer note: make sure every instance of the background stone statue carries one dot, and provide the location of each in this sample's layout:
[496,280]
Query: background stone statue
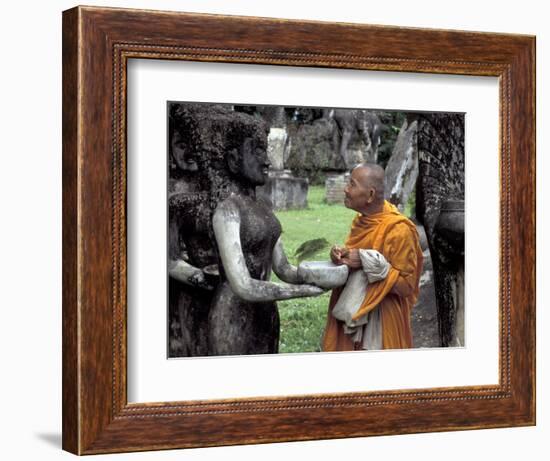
[440,207]
[192,256]
[362,124]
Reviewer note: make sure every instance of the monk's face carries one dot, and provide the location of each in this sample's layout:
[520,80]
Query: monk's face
[358,191]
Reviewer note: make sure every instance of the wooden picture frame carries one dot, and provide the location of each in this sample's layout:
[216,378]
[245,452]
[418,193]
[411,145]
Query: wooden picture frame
[97,43]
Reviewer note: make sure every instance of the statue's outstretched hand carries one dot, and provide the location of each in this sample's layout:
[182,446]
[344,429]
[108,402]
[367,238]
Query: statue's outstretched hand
[314,290]
[302,291]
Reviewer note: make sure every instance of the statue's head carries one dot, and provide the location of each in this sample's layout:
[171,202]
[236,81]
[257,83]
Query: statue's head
[246,154]
[184,150]
[215,137]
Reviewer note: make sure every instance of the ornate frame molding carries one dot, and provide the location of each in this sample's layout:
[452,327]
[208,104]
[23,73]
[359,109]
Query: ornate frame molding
[97,43]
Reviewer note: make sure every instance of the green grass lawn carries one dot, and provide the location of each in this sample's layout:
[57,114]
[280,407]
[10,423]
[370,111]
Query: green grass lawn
[303,319]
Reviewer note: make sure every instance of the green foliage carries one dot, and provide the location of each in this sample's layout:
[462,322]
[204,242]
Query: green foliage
[410,206]
[310,247]
[303,319]
[302,323]
[394,121]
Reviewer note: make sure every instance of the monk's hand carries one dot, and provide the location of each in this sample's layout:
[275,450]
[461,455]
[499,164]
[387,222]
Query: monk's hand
[352,259]
[336,253]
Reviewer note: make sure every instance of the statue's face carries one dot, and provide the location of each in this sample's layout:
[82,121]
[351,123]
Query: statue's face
[182,154]
[255,164]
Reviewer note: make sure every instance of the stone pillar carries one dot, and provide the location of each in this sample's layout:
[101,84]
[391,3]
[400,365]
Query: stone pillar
[448,240]
[276,146]
[440,207]
[402,168]
[284,191]
[334,187]
[282,188]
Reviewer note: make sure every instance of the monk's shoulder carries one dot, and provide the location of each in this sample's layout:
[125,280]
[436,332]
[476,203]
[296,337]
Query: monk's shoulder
[402,230]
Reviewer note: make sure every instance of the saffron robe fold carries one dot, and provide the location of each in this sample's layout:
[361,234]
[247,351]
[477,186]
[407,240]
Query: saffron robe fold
[396,237]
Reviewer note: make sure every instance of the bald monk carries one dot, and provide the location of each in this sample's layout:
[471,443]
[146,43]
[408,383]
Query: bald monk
[379,233]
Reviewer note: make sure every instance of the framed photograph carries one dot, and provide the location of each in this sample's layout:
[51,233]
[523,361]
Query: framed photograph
[281,230]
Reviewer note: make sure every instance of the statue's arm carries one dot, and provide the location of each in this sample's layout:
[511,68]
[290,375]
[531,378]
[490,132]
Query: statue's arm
[284,270]
[226,223]
[188,274]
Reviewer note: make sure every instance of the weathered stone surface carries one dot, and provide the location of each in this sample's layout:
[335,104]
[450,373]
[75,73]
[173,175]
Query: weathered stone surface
[337,142]
[277,145]
[237,326]
[200,137]
[441,179]
[441,163]
[282,188]
[274,116]
[322,140]
[189,216]
[222,231]
[323,273]
[284,191]
[460,340]
[334,187]
[402,167]
[314,149]
[448,233]
[360,132]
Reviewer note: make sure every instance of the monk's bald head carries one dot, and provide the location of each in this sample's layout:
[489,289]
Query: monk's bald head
[372,175]
[365,190]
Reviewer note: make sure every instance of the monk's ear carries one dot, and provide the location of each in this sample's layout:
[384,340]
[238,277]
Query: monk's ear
[372,194]
[233,161]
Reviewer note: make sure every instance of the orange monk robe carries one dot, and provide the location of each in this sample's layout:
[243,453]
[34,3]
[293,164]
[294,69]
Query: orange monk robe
[396,237]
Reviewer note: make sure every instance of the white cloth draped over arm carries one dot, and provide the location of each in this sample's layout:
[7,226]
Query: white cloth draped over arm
[351,298]
[366,329]
[374,265]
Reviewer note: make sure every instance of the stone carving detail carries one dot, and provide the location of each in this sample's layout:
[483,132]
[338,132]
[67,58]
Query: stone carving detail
[360,126]
[440,207]
[332,140]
